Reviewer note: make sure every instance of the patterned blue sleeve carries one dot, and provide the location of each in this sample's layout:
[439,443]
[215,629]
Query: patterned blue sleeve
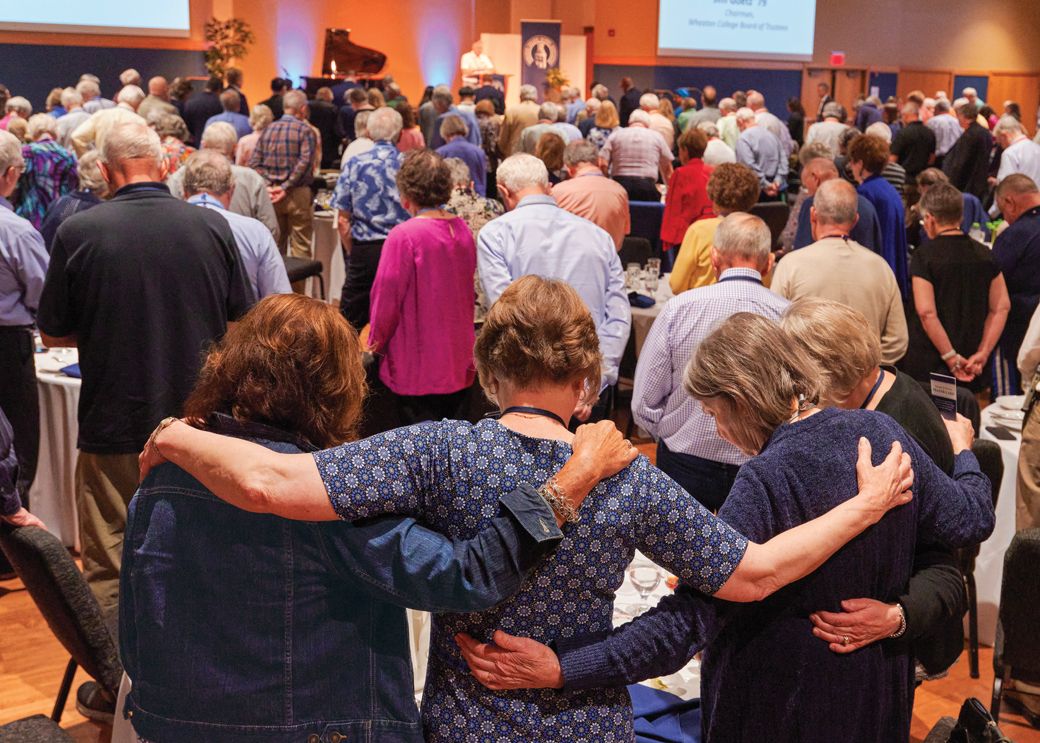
[342,199]
[386,474]
[677,532]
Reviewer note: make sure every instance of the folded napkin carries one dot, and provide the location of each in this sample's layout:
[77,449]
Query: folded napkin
[72,370]
[664,718]
[640,300]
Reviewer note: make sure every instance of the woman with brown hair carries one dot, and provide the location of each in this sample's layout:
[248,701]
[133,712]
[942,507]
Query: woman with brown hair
[537,357]
[422,300]
[247,627]
[411,134]
[549,150]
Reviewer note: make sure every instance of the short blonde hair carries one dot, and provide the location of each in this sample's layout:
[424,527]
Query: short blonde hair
[607,116]
[839,338]
[522,341]
[753,366]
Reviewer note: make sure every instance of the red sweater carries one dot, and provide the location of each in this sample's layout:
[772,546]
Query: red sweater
[686,201]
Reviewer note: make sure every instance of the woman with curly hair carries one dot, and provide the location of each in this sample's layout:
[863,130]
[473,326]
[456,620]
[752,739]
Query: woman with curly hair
[422,299]
[732,187]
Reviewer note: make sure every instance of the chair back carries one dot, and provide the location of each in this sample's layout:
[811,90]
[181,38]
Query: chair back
[64,599]
[299,269]
[775,215]
[635,250]
[646,219]
[1020,606]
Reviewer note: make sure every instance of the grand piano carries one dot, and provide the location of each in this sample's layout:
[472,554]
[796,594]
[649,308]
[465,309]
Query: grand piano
[342,57]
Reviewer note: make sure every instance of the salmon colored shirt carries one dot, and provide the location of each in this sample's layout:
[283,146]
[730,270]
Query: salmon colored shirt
[602,201]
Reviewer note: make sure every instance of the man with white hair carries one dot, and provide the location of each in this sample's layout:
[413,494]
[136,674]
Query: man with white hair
[536,236]
[972,96]
[759,149]
[50,170]
[16,107]
[158,99]
[548,115]
[1020,154]
[590,194]
[717,151]
[946,128]
[284,157]
[829,129]
[250,197]
[689,448]
[89,87]
[634,156]
[209,183]
[130,76]
[836,267]
[517,118]
[369,207]
[153,283]
[444,104]
[74,115]
[575,104]
[757,103]
[659,123]
[92,132]
[729,132]
[23,266]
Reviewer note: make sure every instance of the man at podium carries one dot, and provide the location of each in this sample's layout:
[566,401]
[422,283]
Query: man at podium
[475,65]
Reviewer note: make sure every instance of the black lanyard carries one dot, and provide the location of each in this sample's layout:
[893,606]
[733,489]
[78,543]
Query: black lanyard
[530,411]
[873,390]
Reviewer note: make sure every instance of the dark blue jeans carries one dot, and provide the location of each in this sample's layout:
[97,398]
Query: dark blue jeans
[707,481]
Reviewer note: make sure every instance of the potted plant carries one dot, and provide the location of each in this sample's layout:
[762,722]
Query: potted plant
[228,40]
[554,82]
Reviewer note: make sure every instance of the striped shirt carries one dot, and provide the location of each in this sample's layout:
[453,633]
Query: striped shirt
[285,152]
[659,403]
[635,151]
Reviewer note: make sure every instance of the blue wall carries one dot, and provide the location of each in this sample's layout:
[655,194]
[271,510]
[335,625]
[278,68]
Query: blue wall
[776,85]
[31,70]
[981,84]
[886,83]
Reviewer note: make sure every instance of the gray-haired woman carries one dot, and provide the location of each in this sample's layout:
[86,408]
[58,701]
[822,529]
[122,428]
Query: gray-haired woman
[764,675]
[92,189]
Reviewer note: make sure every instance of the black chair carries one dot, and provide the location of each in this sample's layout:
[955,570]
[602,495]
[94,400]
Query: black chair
[300,269]
[65,600]
[646,217]
[991,462]
[635,250]
[1016,653]
[35,729]
[775,215]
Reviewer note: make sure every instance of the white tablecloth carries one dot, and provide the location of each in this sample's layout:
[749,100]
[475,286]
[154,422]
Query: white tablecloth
[685,683]
[989,566]
[325,248]
[643,319]
[53,496]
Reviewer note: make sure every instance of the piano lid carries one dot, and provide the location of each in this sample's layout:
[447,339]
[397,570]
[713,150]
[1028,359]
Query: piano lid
[348,56]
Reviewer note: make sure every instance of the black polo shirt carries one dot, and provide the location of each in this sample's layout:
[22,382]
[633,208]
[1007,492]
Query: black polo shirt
[146,283]
[914,145]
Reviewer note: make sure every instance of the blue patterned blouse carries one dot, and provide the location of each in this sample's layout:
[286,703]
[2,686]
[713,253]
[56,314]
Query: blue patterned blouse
[367,188]
[451,474]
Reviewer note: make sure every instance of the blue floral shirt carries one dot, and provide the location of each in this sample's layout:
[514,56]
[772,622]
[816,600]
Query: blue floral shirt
[450,474]
[367,188]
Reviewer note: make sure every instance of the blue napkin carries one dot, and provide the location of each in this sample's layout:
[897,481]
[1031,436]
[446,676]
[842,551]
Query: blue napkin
[664,718]
[640,300]
[72,370]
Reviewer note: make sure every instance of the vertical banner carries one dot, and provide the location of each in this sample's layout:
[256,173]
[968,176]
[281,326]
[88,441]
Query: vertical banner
[539,52]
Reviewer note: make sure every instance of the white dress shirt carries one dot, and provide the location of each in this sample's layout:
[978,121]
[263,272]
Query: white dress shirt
[471,61]
[538,237]
[1023,156]
[1029,351]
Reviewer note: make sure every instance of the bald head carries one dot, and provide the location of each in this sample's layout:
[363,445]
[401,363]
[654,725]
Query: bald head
[1016,195]
[835,207]
[159,88]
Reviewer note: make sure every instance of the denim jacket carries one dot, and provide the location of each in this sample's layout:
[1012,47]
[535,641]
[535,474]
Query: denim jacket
[237,626]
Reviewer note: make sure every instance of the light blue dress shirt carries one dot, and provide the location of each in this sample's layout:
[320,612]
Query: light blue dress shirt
[472,128]
[538,237]
[23,266]
[947,131]
[261,261]
[239,121]
[659,403]
[760,150]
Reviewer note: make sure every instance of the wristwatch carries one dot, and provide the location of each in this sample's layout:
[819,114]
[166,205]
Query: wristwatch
[902,623]
[163,425]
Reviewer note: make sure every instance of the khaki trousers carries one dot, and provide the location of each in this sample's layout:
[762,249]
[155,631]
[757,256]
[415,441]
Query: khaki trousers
[295,214]
[105,483]
[1028,491]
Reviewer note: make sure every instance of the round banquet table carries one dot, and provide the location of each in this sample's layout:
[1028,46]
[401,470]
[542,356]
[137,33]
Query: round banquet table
[989,566]
[643,318]
[53,495]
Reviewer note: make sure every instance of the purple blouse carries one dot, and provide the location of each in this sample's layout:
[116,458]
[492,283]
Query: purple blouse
[422,307]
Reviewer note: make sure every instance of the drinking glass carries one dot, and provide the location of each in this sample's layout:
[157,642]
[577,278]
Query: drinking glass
[632,274]
[645,578]
[654,264]
[650,280]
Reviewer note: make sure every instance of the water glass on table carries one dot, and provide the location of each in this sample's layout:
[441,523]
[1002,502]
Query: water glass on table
[645,578]
[654,265]
[651,279]
[633,271]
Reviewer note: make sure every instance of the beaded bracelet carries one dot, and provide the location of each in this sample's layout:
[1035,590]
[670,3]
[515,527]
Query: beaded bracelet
[902,623]
[555,496]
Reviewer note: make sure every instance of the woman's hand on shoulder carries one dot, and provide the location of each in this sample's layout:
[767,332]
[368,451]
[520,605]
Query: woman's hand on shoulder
[510,662]
[886,486]
[602,449]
